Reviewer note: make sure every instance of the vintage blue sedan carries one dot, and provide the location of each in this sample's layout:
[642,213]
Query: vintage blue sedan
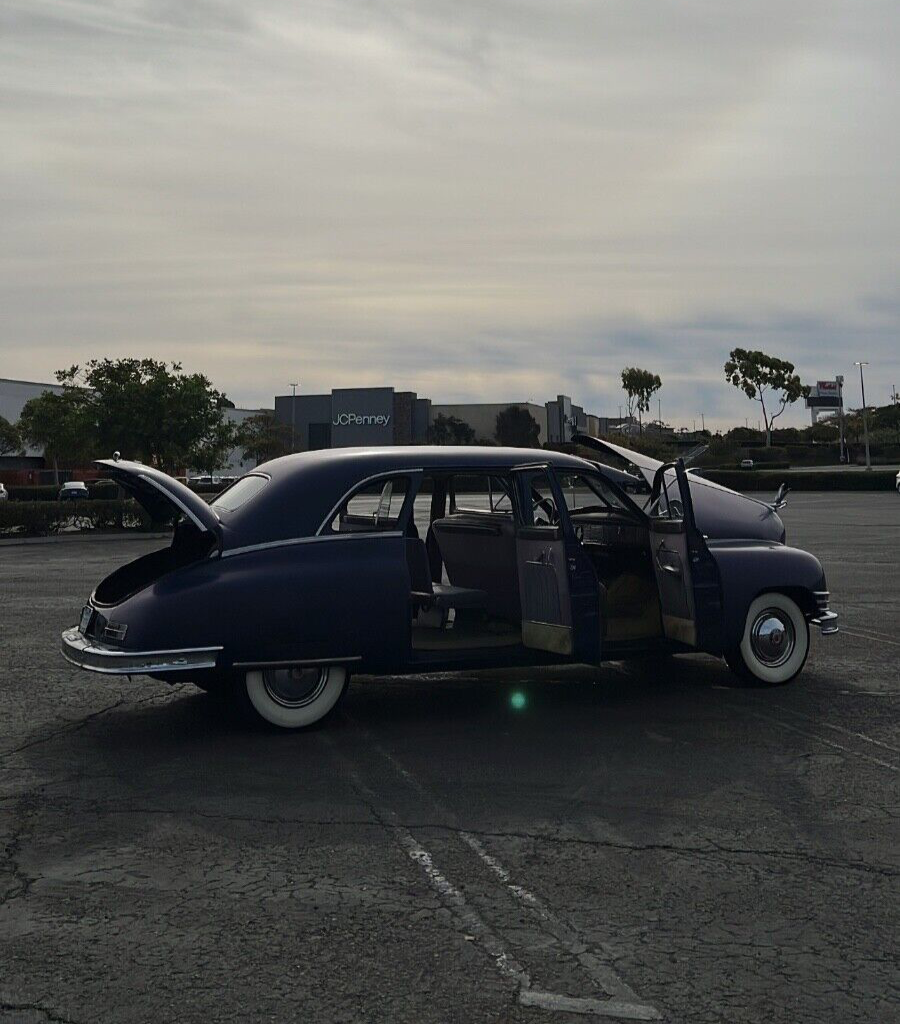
[414,559]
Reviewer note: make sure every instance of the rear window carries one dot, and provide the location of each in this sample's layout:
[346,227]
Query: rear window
[239,493]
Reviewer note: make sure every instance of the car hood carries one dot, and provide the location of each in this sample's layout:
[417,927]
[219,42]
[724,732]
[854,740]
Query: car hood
[161,494]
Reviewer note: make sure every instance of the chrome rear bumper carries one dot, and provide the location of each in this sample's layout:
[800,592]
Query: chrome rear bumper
[97,657]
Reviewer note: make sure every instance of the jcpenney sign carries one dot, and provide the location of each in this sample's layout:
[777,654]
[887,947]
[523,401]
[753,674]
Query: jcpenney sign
[354,419]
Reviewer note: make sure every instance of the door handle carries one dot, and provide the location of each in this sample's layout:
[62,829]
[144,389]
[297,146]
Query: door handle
[675,570]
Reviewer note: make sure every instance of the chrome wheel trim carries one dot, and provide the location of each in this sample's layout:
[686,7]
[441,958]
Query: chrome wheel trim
[294,687]
[773,637]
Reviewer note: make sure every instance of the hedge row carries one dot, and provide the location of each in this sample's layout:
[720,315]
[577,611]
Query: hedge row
[43,518]
[98,490]
[814,480]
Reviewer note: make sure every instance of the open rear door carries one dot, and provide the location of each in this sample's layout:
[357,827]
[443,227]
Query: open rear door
[558,586]
[686,573]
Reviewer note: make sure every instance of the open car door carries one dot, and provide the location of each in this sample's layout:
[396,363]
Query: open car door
[687,576]
[558,587]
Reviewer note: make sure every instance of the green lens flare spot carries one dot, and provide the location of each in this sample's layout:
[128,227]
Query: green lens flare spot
[518,700]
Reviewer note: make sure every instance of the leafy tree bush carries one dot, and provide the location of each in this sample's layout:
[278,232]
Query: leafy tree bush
[517,428]
[150,411]
[261,437]
[450,430]
[64,425]
[9,437]
[639,387]
[763,377]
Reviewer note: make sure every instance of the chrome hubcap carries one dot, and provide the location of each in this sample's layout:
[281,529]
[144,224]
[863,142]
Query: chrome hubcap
[294,687]
[772,637]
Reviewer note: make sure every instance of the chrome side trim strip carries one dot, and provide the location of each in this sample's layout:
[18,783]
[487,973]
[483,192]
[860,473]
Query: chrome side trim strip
[298,663]
[292,541]
[97,657]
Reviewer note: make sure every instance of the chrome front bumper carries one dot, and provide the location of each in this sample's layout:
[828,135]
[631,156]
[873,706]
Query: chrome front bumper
[827,622]
[825,619]
[97,657]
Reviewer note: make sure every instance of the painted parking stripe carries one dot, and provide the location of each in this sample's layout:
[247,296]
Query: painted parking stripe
[592,1007]
[838,728]
[814,736]
[625,1002]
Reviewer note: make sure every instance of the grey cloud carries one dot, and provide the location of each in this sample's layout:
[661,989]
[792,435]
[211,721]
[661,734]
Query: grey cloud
[470,199]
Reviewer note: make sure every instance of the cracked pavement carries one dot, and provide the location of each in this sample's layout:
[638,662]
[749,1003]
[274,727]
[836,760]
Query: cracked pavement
[726,854]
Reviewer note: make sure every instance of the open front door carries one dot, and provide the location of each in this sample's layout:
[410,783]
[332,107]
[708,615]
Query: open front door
[558,586]
[686,573]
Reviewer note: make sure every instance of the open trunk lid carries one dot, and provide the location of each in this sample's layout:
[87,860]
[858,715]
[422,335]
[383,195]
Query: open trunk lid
[644,463]
[160,494]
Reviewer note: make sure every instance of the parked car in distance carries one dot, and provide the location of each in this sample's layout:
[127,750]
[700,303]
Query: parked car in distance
[746,463]
[430,559]
[74,490]
[4,493]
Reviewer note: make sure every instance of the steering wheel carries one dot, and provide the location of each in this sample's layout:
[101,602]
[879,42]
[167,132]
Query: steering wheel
[546,506]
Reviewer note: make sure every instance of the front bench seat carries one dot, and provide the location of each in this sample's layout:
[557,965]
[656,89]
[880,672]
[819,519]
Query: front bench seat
[429,594]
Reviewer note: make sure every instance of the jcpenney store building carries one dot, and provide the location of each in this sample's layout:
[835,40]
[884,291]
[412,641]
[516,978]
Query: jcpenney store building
[355,417]
[361,417]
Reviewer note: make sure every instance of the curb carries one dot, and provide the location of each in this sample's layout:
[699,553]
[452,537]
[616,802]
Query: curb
[69,538]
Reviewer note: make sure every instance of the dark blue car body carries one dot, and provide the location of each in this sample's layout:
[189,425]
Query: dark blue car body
[283,569]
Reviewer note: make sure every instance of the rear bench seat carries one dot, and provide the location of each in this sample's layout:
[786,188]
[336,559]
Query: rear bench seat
[479,553]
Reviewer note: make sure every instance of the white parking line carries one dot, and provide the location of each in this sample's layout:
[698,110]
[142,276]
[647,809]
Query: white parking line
[814,736]
[625,1002]
[871,639]
[838,728]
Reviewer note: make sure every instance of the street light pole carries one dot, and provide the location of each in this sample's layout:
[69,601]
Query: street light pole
[862,388]
[840,383]
[293,388]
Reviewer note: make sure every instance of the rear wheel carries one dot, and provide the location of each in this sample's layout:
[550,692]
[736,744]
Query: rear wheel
[775,643]
[290,697]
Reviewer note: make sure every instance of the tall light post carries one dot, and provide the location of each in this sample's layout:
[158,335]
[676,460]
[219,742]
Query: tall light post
[293,388]
[840,383]
[862,388]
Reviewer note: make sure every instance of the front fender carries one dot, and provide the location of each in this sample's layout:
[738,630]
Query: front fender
[748,569]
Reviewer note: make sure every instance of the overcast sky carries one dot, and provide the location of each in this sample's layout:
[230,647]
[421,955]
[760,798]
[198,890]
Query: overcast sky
[474,199]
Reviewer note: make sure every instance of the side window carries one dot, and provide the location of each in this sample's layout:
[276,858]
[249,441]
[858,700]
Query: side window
[373,507]
[480,493]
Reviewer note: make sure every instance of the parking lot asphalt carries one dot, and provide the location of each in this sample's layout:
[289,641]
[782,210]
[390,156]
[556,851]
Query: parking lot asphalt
[641,841]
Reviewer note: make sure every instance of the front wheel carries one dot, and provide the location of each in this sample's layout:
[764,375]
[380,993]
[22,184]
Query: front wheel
[288,698]
[775,643]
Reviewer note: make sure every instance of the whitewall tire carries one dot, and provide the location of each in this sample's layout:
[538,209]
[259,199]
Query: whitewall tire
[775,642]
[289,698]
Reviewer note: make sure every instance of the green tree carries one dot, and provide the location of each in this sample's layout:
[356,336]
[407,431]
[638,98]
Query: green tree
[62,424]
[639,387]
[517,428]
[450,430]
[9,437]
[212,450]
[261,437]
[148,410]
[762,377]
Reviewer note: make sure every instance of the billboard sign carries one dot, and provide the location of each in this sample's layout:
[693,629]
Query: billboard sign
[826,394]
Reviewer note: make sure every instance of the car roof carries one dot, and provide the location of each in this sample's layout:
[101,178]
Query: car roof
[306,486]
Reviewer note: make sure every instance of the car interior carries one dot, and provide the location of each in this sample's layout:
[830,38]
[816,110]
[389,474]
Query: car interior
[464,564]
